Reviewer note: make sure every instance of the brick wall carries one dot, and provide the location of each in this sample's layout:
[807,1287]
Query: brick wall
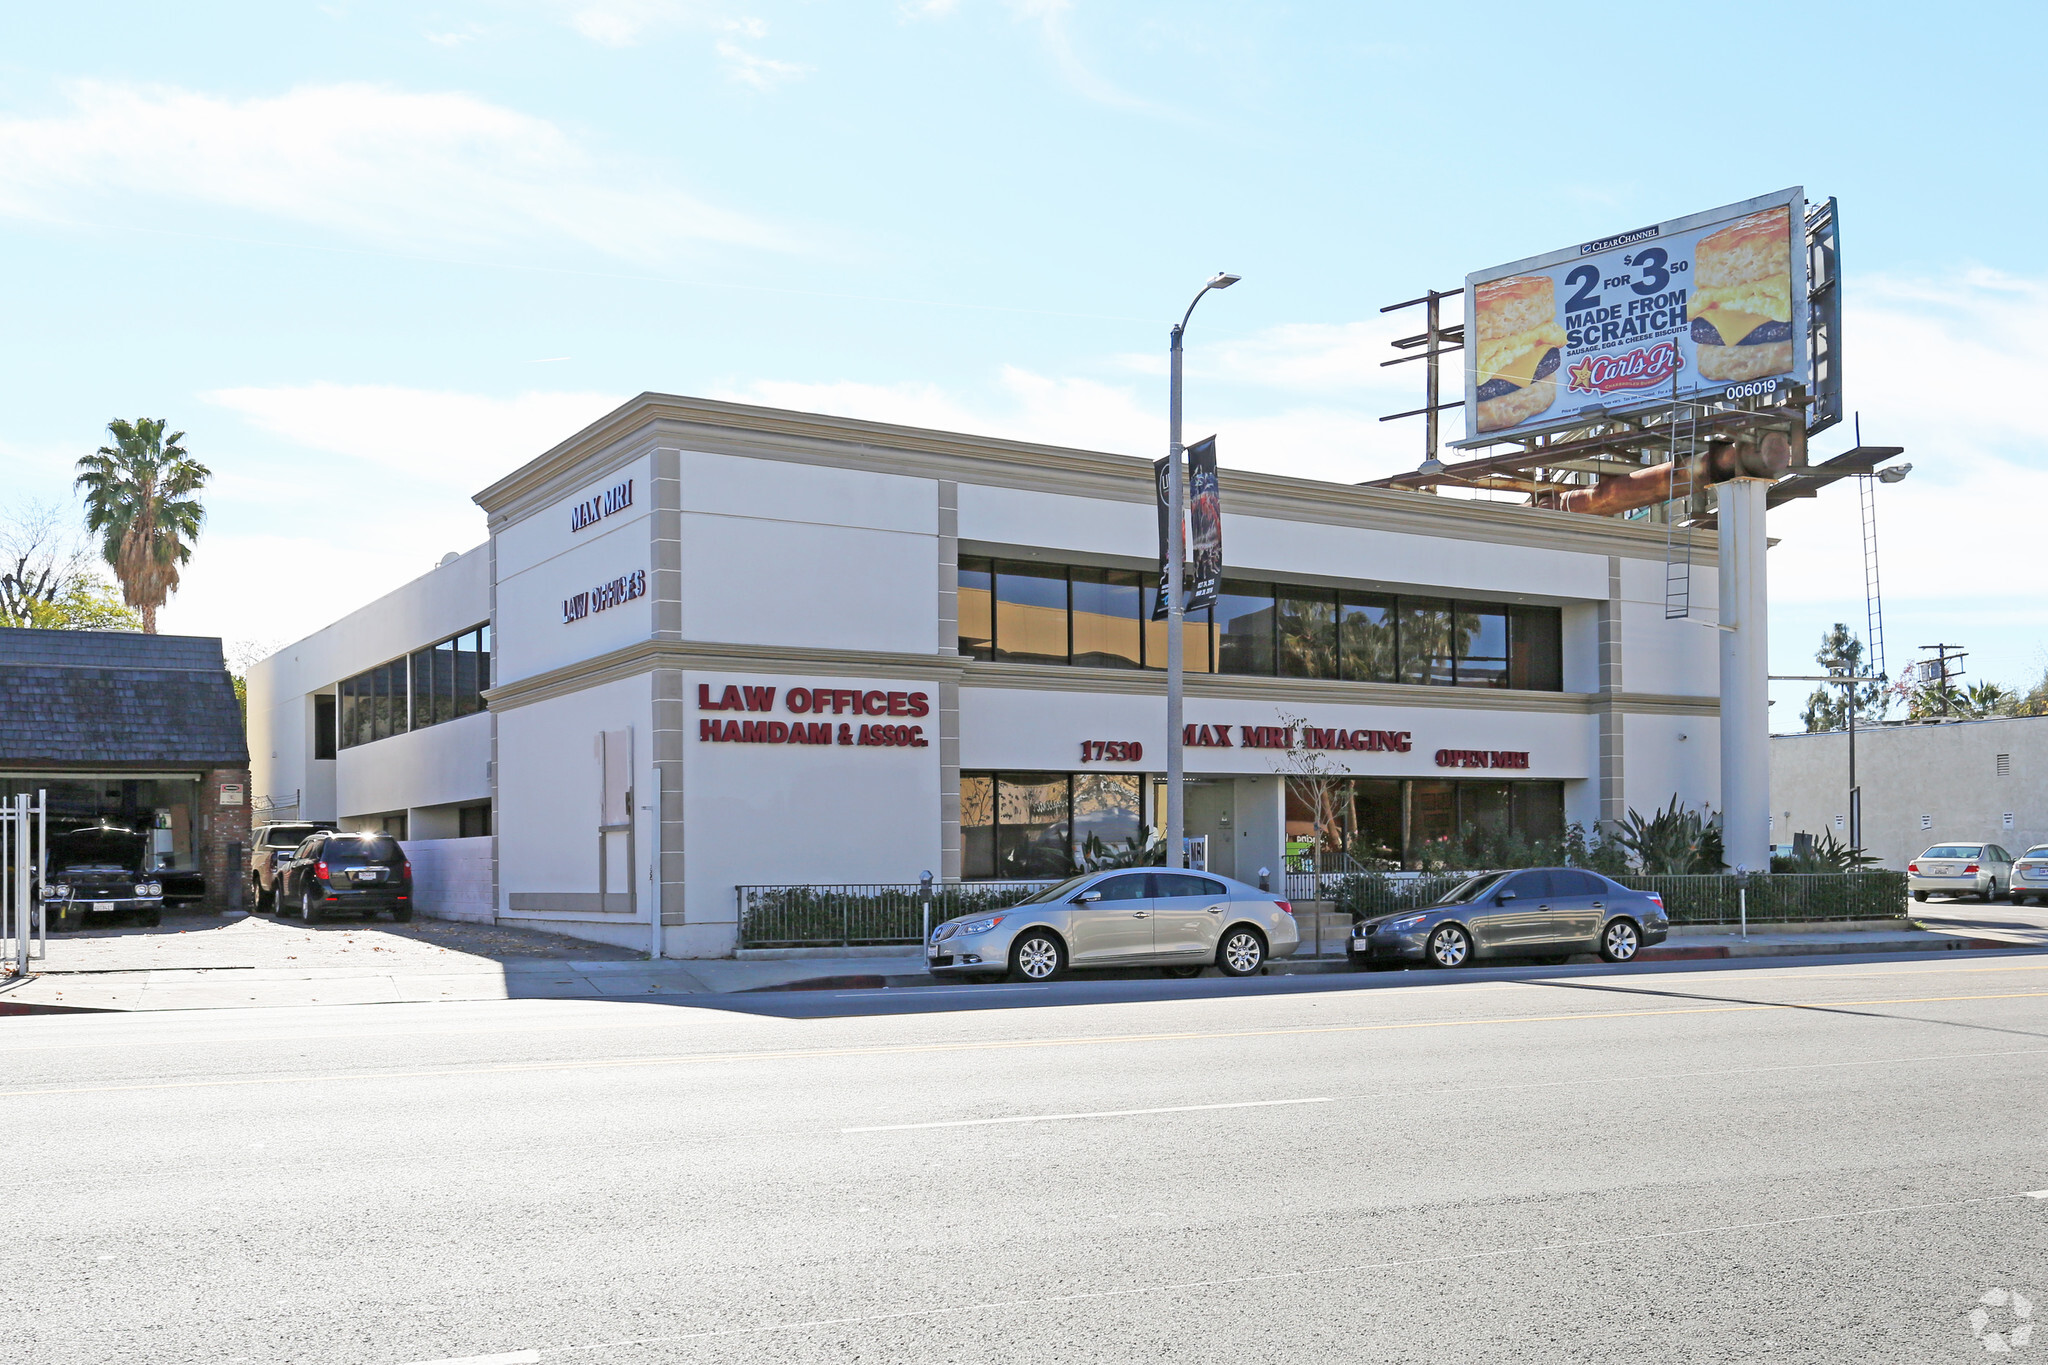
[219,826]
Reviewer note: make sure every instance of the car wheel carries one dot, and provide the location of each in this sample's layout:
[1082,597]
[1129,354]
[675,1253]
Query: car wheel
[1037,957]
[150,919]
[1919,895]
[1450,946]
[306,906]
[1621,941]
[1241,953]
[1988,894]
[1183,973]
[401,916]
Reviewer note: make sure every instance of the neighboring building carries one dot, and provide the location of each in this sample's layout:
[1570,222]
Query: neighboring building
[721,645]
[139,731]
[1952,781]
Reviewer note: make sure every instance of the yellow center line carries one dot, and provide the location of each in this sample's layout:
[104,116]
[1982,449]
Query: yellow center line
[992,1045]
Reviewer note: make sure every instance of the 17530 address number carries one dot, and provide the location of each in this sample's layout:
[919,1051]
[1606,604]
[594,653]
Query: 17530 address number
[1111,751]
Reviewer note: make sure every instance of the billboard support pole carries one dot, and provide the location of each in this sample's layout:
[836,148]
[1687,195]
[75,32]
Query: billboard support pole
[1745,674]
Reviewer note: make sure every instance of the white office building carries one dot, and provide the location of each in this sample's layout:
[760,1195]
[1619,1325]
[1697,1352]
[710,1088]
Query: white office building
[708,646]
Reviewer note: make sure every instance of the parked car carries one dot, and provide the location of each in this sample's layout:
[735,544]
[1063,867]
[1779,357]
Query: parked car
[1183,921]
[1980,870]
[346,874]
[2030,876]
[1535,912]
[269,847]
[97,873]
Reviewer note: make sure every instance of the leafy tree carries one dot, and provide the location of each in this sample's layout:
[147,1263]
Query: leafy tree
[140,498]
[46,576]
[1841,653]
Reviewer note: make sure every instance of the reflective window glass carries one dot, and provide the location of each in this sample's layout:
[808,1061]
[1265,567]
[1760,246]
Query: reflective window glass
[1433,823]
[422,665]
[466,674]
[1306,619]
[1033,824]
[977,825]
[1165,884]
[1536,649]
[1109,820]
[1482,645]
[1106,625]
[1539,810]
[1531,886]
[1197,635]
[483,662]
[1483,806]
[977,609]
[1366,637]
[1244,628]
[1031,613]
[444,681]
[1427,656]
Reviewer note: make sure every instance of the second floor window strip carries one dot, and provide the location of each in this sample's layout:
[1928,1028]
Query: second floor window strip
[1026,612]
[442,682]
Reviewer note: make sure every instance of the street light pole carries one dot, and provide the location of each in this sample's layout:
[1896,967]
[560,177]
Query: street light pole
[1176,506]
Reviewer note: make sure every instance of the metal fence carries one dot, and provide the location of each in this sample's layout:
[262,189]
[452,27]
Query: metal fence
[855,914]
[1761,897]
[859,914]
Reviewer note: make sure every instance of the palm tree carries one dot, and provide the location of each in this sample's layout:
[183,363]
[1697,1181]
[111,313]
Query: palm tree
[139,500]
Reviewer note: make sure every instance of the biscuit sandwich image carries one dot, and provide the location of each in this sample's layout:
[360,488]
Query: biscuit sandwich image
[1518,338]
[1741,304]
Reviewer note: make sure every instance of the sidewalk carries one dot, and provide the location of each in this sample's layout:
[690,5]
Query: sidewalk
[201,962]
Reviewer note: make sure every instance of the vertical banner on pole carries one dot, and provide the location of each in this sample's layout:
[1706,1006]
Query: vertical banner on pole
[1205,525]
[1165,496]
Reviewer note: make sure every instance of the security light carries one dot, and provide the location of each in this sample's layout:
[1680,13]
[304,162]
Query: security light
[1223,279]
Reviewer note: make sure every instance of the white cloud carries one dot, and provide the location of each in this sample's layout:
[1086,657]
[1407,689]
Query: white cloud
[763,73]
[370,162]
[926,9]
[621,23]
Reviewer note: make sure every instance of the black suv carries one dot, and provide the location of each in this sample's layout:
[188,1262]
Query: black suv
[351,874]
[269,848]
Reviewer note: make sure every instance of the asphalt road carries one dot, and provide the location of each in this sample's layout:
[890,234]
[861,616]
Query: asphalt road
[1809,1163]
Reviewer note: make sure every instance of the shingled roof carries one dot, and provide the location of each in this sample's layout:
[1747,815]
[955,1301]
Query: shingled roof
[107,699]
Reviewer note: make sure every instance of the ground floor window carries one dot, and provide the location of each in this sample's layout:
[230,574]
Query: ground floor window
[1412,823]
[164,810]
[1050,824]
[473,822]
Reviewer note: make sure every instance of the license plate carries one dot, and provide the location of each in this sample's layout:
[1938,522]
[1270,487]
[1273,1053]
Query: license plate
[103,905]
[368,876]
[932,952]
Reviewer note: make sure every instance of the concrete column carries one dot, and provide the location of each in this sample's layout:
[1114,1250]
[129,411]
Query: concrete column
[1745,676]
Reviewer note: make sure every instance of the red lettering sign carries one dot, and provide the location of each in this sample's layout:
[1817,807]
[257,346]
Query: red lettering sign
[812,701]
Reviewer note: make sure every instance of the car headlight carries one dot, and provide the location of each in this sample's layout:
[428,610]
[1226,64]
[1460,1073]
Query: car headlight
[53,893]
[148,889]
[1408,923]
[980,926]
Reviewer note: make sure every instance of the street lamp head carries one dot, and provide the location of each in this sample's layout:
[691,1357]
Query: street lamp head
[1894,474]
[1223,279]
[1432,465]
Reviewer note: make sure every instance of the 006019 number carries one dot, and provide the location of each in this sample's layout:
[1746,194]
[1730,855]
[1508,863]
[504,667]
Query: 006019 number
[1111,751]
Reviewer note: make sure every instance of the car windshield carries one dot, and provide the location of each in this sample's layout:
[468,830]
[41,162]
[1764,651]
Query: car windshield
[288,836]
[1059,892]
[1471,889]
[2037,851]
[96,850]
[1955,851]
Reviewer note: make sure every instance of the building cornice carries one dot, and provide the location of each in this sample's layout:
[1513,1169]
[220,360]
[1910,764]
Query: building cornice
[659,420]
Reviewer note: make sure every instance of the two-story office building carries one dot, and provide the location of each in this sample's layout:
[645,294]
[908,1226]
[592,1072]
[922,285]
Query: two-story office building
[708,645]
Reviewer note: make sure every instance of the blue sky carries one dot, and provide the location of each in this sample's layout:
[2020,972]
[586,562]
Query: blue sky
[371,256]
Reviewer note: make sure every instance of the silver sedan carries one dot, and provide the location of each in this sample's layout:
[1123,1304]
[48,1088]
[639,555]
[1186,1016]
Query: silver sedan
[1537,912]
[1183,921]
[1980,870]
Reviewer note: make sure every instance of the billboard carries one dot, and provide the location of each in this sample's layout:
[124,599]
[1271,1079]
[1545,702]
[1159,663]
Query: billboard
[1711,301]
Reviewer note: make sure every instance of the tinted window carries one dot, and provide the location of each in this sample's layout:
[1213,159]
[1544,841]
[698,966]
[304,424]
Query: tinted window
[1031,613]
[1106,625]
[368,848]
[286,836]
[1366,637]
[1998,854]
[1427,656]
[1536,649]
[1471,888]
[977,609]
[1482,644]
[1531,886]
[2037,851]
[1585,883]
[1185,884]
[1307,620]
[1244,626]
[1955,851]
[1128,887]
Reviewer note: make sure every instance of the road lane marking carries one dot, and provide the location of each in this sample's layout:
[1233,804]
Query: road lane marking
[508,1358]
[2037,1194]
[1091,1114]
[1274,1277]
[991,1045]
